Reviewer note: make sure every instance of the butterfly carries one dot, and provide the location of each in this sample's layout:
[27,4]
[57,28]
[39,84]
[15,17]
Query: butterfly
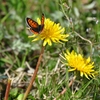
[34,26]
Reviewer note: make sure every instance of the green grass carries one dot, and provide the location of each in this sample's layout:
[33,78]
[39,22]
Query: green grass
[17,50]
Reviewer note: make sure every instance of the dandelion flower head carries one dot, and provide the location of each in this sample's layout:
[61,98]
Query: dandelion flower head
[77,62]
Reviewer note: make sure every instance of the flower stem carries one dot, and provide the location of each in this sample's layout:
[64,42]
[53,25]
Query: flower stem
[7,89]
[34,75]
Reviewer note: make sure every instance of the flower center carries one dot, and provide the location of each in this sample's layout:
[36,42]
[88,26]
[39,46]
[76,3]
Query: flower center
[46,33]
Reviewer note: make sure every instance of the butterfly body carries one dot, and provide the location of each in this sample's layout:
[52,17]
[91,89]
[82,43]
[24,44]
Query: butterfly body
[34,26]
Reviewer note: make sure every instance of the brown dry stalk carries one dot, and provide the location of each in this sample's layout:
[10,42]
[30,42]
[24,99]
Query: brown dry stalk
[7,89]
[34,75]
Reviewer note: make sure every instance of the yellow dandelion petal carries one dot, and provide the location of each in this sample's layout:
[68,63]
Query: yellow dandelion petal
[48,41]
[44,43]
[71,70]
[77,62]
[81,74]
[86,75]
[32,36]
[52,32]
[35,39]
[88,60]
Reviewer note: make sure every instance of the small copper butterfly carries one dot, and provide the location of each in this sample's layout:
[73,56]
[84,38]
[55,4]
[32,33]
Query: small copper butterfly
[34,26]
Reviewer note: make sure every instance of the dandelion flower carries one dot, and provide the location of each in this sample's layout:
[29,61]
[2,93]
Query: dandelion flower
[77,62]
[52,32]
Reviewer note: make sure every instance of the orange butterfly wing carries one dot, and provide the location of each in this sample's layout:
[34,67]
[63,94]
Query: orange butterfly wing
[42,19]
[34,26]
[35,32]
[32,23]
